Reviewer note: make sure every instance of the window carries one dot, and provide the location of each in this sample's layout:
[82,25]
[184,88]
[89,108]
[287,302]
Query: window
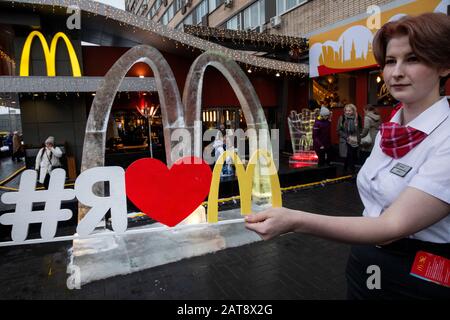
[201,11]
[178,5]
[168,15]
[234,23]
[132,7]
[154,9]
[285,5]
[171,11]
[143,7]
[335,90]
[213,4]
[188,19]
[378,93]
[165,19]
[254,15]
[195,17]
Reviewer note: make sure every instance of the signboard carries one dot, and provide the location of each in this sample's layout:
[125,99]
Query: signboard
[49,54]
[349,47]
[148,183]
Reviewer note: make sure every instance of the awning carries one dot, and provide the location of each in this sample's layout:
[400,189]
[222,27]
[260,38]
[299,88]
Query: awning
[70,84]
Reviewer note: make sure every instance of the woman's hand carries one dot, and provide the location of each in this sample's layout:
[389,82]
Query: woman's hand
[272,222]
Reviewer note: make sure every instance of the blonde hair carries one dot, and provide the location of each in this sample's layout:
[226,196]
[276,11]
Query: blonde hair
[351,106]
[355,112]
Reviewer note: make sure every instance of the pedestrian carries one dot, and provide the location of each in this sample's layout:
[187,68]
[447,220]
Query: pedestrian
[9,143]
[372,121]
[16,147]
[349,129]
[404,184]
[220,145]
[47,159]
[322,137]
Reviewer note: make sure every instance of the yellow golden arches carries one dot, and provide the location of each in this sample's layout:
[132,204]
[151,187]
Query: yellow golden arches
[273,175]
[245,180]
[49,53]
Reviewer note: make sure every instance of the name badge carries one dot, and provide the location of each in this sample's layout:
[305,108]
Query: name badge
[401,169]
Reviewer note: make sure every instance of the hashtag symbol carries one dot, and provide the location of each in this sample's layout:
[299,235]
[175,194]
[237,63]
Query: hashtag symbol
[24,215]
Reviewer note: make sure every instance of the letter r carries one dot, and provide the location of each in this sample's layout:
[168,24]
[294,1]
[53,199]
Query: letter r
[116,201]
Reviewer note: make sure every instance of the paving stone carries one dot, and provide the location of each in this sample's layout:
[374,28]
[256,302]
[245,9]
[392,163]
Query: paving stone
[294,266]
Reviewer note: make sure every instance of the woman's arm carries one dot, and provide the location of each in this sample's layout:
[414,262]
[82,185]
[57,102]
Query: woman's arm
[57,152]
[340,128]
[413,211]
[365,130]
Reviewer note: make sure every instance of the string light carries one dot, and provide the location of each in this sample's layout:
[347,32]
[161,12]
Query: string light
[7,58]
[296,45]
[194,43]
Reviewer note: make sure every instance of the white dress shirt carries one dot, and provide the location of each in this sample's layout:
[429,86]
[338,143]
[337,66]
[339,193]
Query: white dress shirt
[430,170]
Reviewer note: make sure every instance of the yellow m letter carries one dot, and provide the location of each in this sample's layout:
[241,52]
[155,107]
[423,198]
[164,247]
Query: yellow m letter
[49,54]
[245,180]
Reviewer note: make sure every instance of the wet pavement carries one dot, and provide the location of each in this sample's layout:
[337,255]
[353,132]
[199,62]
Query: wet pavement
[8,167]
[293,266]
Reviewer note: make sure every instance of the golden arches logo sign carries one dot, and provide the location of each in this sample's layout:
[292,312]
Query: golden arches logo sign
[49,54]
[245,181]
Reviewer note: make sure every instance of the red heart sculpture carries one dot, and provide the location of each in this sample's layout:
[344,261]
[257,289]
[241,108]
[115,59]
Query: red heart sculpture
[168,196]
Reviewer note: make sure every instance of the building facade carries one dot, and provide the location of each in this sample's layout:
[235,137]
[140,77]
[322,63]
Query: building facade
[348,74]
[285,17]
[53,97]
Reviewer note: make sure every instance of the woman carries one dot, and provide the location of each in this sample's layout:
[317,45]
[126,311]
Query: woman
[349,129]
[405,183]
[17,147]
[371,127]
[322,137]
[47,159]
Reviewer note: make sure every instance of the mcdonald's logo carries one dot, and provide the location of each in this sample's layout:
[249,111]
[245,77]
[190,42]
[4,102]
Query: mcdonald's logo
[49,53]
[245,180]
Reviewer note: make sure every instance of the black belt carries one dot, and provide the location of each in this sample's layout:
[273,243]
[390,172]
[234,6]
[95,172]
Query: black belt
[411,246]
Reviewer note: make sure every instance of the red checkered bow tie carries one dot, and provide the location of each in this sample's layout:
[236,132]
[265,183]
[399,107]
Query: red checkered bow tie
[397,140]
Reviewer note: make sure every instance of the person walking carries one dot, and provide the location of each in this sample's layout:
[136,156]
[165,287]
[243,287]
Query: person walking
[47,159]
[16,147]
[322,137]
[349,128]
[372,121]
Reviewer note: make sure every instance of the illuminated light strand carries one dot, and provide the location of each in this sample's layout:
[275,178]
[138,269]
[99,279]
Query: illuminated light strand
[133,21]
[5,56]
[254,37]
